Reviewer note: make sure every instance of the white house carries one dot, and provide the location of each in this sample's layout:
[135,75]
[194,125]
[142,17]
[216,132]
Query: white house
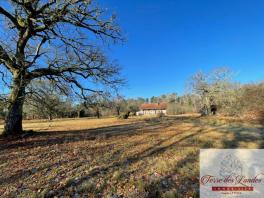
[152,109]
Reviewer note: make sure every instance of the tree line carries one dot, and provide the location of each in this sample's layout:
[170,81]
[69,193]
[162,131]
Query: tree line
[217,88]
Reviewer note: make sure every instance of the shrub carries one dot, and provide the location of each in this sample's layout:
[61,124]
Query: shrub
[170,194]
[124,115]
[160,115]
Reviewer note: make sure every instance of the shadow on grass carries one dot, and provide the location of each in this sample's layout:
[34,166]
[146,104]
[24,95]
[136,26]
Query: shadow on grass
[241,135]
[151,188]
[39,139]
[152,126]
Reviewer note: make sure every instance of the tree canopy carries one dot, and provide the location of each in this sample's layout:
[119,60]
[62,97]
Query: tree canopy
[56,40]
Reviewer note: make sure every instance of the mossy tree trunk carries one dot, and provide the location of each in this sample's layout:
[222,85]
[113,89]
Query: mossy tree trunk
[13,121]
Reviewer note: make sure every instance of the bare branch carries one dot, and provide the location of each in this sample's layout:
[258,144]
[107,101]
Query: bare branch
[3,78]
[38,54]
[6,60]
[71,29]
[10,17]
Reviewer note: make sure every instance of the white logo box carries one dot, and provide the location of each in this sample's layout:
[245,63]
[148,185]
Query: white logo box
[231,173]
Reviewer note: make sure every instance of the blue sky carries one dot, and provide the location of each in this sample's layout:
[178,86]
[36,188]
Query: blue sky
[170,40]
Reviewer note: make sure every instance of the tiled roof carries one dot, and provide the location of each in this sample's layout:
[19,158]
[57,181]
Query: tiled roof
[154,106]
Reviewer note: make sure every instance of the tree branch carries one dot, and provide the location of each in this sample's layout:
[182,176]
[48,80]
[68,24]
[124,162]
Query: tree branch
[10,17]
[45,6]
[6,60]
[71,55]
[37,54]
[41,72]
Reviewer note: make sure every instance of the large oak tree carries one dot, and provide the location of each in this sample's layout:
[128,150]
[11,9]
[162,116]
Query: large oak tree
[54,40]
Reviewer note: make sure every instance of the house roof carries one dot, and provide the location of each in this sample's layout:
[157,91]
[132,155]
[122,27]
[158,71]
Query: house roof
[154,106]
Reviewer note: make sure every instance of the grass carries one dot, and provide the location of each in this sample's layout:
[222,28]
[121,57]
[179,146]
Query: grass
[138,157]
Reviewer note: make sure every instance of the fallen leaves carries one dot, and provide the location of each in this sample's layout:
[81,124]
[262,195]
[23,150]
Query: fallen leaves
[114,158]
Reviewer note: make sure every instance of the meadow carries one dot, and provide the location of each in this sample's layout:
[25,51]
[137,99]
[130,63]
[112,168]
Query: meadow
[110,157]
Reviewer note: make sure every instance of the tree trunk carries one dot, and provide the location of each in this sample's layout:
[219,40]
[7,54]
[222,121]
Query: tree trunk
[50,116]
[118,111]
[13,121]
[98,113]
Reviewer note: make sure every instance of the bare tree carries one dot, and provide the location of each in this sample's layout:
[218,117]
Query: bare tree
[54,40]
[46,100]
[98,102]
[119,104]
[212,88]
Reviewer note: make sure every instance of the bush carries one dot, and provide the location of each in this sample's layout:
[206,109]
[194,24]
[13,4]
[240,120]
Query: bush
[245,102]
[160,115]
[124,115]
[176,109]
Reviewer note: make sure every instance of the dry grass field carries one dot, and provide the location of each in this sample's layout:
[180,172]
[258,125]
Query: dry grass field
[138,157]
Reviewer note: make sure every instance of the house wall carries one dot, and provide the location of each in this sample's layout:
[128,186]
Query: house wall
[150,112]
[139,113]
[154,112]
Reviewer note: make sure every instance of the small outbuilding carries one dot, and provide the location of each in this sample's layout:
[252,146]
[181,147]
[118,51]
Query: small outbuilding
[152,109]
